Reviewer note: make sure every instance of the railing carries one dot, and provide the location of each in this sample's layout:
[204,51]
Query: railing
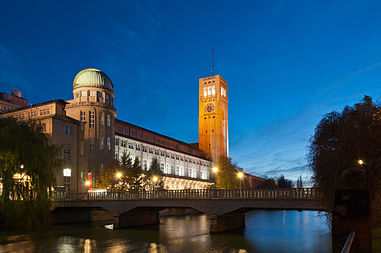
[229,194]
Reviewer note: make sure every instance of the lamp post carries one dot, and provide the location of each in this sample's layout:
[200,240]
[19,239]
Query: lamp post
[360,162]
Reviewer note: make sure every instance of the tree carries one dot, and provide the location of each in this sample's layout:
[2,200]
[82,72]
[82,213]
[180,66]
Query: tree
[227,174]
[108,177]
[28,164]
[284,183]
[299,183]
[136,175]
[267,184]
[340,141]
[154,176]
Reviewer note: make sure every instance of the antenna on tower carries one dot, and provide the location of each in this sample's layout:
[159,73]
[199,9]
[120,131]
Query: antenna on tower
[212,61]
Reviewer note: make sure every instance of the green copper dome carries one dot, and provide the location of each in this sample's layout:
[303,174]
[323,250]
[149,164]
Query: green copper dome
[92,78]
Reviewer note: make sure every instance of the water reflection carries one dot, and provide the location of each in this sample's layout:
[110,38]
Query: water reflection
[266,231]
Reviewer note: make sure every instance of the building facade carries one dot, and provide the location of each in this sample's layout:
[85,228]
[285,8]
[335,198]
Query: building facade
[90,136]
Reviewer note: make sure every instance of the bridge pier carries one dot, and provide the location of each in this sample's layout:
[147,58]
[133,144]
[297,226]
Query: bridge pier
[138,217]
[227,222]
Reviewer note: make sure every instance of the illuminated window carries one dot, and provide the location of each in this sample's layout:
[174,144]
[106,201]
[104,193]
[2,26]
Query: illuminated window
[91,119]
[213,90]
[205,91]
[209,91]
[92,93]
[83,93]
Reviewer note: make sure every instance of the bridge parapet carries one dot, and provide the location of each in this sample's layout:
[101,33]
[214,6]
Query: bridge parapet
[201,194]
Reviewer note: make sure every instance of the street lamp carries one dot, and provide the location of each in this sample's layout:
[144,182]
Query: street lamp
[118,175]
[154,179]
[240,176]
[360,162]
[87,182]
[215,170]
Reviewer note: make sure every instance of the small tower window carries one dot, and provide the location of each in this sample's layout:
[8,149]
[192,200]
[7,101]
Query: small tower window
[205,91]
[213,90]
[209,91]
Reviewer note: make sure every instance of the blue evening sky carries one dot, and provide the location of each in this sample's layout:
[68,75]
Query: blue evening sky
[287,63]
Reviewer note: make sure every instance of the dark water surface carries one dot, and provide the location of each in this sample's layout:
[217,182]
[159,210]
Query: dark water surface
[266,231]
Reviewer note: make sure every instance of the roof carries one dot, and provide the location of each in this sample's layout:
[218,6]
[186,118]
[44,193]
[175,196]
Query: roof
[56,101]
[92,78]
[181,146]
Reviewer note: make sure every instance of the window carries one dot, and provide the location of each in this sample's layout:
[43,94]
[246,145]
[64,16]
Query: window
[91,119]
[108,120]
[83,93]
[92,93]
[101,143]
[67,129]
[137,147]
[131,145]
[205,91]
[150,150]
[101,118]
[108,143]
[213,90]
[177,157]
[116,141]
[209,91]
[144,164]
[107,97]
[83,116]
[92,145]
[162,153]
[144,149]
[67,152]
[162,167]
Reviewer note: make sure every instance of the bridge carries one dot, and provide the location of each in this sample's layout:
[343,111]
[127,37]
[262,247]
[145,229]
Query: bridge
[226,207]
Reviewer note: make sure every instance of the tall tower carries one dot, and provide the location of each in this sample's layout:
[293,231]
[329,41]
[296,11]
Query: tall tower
[93,105]
[213,117]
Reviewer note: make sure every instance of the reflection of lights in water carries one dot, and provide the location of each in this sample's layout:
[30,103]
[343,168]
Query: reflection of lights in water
[153,248]
[242,251]
[66,244]
[87,247]
[110,226]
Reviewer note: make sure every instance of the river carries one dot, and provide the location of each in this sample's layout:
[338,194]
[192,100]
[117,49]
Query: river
[266,231]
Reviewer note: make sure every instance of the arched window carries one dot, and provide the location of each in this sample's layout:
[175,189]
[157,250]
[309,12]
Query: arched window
[205,91]
[213,90]
[209,91]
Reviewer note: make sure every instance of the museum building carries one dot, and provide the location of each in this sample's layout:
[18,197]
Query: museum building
[90,135]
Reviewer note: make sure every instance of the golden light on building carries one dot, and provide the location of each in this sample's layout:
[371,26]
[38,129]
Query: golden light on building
[88,183]
[214,170]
